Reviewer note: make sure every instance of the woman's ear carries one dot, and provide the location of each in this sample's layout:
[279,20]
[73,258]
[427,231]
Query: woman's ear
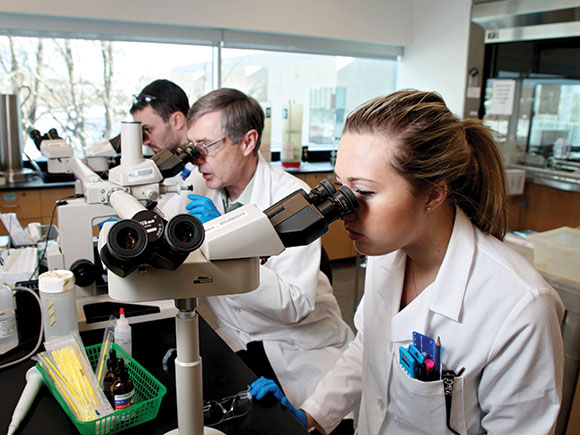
[249,142]
[437,196]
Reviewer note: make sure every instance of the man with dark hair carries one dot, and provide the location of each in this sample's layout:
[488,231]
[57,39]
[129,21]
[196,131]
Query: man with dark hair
[290,328]
[162,107]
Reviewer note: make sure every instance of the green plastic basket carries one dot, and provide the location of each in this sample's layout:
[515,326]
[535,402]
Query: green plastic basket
[148,395]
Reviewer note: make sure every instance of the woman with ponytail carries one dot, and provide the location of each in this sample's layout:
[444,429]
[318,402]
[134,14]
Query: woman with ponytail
[432,217]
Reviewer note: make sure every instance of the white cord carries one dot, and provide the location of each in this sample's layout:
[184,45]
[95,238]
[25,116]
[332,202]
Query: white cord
[40,334]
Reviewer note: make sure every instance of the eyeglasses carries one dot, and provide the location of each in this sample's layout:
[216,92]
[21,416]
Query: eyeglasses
[143,98]
[218,411]
[204,148]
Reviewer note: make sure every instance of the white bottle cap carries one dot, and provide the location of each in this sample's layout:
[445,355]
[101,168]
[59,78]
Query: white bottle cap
[56,281]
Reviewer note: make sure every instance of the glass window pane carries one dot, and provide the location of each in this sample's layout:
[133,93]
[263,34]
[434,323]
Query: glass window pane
[327,87]
[84,88]
[544,123]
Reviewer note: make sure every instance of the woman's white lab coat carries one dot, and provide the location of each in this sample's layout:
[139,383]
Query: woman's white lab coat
[496,317]
[293,311]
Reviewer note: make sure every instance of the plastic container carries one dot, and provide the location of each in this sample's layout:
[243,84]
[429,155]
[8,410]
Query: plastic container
[148,395]
[123,333]
[557,252]
[291,153]
[8,328]
[58,299]
[265,147]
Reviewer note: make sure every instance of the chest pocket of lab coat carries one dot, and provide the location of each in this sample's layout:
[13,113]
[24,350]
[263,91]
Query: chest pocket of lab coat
[420,406]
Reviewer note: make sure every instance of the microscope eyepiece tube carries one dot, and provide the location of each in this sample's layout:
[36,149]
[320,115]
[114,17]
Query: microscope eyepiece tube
[321,192]
[300,218]
[347,200]
[184,233]
[131,143]
[342,203]
[127,239]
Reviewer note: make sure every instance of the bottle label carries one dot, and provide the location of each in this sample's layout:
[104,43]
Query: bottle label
[123,401]
[7,323]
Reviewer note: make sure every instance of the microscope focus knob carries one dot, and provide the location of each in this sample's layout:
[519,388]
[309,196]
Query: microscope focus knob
[84,271]
[151,195]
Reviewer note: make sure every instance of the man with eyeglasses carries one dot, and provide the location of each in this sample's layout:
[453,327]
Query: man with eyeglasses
[162,107]
[290,329]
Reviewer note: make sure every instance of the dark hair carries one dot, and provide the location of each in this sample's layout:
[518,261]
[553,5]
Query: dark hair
[240,113]
[434,146]
[164,97]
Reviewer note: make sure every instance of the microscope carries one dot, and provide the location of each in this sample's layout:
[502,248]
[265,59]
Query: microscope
[133,185]
[149,259]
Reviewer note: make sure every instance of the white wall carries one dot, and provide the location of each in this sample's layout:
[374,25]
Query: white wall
[377,21]
[434,33]
[436,58]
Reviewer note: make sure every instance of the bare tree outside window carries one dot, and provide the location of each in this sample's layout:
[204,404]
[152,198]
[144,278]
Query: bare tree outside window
[84,88]
[53,89]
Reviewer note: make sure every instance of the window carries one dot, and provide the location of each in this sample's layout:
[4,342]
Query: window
[84,88]
[541,124]
[327,87]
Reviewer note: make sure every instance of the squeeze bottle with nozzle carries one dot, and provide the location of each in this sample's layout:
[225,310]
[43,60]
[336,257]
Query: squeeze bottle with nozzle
[123,332]
[33,383]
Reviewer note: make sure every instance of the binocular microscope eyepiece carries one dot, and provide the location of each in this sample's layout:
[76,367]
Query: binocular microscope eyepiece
[150,239]
[302,217]
[147,238]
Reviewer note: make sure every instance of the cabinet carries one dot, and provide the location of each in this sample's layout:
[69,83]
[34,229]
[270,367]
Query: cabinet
[336,242]
[32,205]
[543,208]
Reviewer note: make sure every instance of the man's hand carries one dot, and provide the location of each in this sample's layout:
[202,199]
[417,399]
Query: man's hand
[262,387]
[202,208]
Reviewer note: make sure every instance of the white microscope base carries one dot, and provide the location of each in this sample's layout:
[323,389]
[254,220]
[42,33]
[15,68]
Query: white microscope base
[206,431]
[167,310]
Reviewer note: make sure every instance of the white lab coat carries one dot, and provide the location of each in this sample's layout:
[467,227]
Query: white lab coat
[495,316]
[293,311]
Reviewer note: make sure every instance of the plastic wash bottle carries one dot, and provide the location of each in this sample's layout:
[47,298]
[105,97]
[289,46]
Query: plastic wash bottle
[8,329]
[123,333]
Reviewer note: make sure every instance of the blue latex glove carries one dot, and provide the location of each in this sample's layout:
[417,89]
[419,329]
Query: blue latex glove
[262,387]
[111,219]
[202,208]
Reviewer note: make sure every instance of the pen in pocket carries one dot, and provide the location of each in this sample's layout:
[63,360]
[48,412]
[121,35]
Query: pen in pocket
[448,377]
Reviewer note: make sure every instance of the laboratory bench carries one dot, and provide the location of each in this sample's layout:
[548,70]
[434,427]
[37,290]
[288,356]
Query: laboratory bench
[33,200]
[224,374]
